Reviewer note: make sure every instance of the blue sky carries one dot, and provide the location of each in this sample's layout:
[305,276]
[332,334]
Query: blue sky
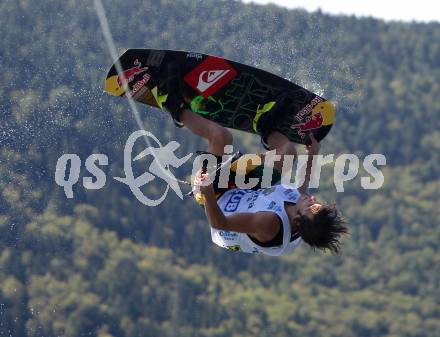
[420,10]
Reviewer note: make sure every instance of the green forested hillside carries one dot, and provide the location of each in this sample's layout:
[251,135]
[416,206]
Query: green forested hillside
[102,264]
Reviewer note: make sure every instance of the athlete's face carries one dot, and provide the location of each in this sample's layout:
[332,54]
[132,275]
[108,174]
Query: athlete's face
[308,206]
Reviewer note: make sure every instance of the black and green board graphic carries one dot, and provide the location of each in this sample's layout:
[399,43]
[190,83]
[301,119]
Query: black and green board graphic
[230,93]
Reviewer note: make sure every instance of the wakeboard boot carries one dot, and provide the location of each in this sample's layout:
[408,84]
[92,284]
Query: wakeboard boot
[270,120]
[175,102]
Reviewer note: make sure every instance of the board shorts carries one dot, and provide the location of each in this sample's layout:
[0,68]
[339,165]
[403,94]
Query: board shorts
[252,171]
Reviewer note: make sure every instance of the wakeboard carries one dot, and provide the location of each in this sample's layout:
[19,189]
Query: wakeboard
[232,94]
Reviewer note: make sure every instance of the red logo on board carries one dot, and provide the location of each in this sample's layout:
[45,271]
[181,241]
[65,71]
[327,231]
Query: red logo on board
[210,76]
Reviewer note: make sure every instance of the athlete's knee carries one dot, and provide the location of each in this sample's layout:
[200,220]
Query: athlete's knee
[287,149]
[185,116]
[219,134]
[276,140]
[279,142]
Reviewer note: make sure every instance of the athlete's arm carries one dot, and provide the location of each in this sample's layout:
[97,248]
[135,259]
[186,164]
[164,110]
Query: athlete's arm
[260,224]
[312,150]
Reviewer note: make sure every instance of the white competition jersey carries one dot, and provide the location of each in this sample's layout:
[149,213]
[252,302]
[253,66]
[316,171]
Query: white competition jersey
[249,201]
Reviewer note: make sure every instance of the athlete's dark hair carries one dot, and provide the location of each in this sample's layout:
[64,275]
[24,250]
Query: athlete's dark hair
[324,230]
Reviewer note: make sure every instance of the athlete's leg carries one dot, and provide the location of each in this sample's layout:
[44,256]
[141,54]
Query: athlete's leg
[216,135]
[283,146]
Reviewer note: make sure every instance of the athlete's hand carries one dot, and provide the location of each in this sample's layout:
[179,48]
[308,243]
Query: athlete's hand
[314,146]
[202,182]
